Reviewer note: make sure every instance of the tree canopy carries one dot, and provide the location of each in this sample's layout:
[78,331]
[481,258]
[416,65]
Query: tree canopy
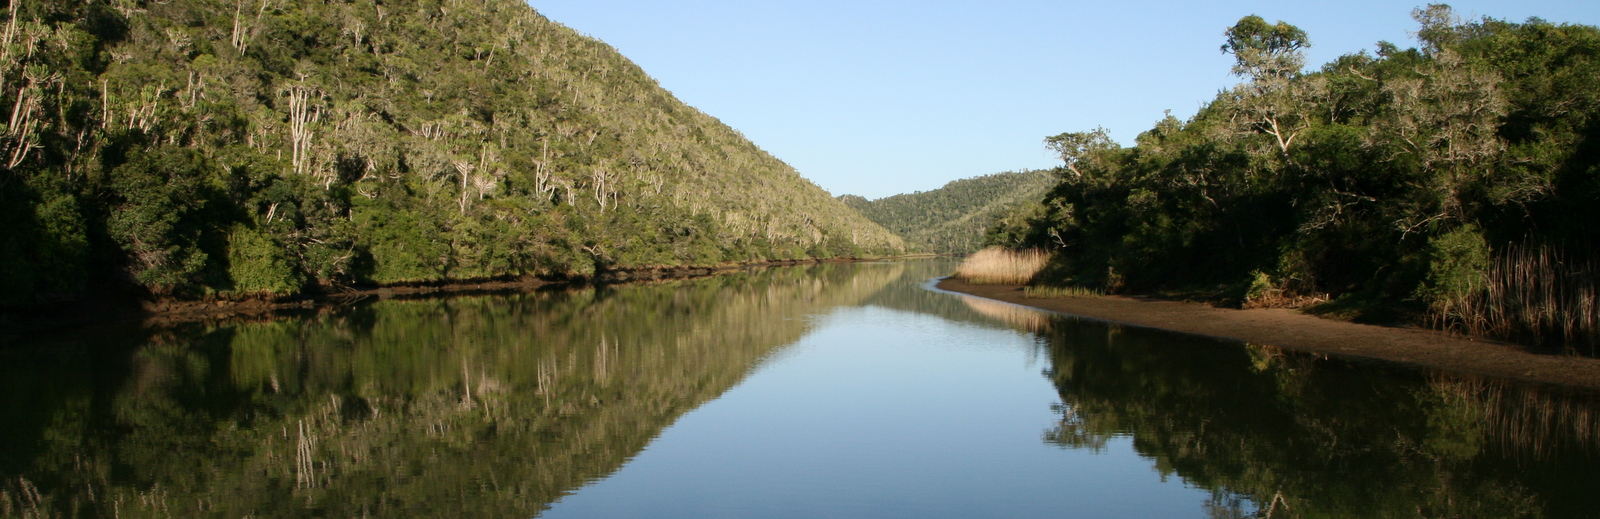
[229,147]
[1417,182]
[953,218]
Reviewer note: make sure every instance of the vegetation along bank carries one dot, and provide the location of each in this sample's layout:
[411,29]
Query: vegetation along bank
[1455,184]
[198,149]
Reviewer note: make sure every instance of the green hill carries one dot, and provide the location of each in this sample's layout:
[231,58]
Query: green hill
[195,147]
[952,219]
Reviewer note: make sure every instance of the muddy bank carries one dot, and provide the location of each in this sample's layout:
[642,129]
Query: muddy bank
[1293,330]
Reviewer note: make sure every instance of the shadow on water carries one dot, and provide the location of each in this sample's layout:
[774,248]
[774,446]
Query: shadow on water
[499,405]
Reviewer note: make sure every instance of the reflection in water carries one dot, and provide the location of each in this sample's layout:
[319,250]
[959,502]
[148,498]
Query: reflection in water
[1306,436]
[1021,317]
[470,406]
[499,405]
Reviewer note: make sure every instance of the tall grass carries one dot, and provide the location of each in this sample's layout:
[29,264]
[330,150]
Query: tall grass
[1002,266]
[1532,295]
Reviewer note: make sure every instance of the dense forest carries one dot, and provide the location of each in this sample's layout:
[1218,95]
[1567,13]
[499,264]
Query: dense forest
[200,148]
[1456,182]
[952,219]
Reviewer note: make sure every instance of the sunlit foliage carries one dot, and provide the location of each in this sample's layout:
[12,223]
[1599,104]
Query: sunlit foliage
[1390,182]
[204,147]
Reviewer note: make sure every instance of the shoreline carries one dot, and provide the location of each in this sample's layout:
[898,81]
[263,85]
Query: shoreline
[1296,331]
[168,311]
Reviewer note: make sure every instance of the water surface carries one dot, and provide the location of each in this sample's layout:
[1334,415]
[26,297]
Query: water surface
[839,390]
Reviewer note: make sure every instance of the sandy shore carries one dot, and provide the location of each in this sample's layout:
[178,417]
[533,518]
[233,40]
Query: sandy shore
[1293,330]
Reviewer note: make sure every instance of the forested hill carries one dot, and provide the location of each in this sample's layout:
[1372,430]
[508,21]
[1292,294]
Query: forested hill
[1459,179]
[952,219]
[196,147]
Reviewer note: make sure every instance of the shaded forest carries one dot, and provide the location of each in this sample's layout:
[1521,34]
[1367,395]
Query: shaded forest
[201,148]
[1455,183]
[952,219]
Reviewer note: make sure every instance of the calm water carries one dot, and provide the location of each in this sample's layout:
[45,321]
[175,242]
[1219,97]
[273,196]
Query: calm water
[847,390]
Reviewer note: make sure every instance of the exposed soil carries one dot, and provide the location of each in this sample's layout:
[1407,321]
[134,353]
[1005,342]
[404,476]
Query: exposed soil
[1293,330]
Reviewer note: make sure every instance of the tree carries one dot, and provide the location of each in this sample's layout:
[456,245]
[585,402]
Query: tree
[1077,147]
[1273,100]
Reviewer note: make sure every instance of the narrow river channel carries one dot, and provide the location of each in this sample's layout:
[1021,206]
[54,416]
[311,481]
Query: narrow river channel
[834,390]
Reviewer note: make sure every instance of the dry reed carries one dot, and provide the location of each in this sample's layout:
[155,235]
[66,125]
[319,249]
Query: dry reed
[1533,295]
[1001,266]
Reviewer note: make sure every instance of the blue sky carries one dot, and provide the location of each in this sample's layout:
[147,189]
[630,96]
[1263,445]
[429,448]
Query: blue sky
[877,98]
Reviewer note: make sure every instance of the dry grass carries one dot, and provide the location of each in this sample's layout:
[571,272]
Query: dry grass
[1001,266]
[1532,295]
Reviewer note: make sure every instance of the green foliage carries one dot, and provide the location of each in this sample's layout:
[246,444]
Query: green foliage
[953,218]
[390,142]
[1388,178]
[46,247]
[163,216]
[1260,286]
[1459,264]
[257,263]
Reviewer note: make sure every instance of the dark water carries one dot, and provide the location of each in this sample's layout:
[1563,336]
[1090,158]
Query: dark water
[845,390]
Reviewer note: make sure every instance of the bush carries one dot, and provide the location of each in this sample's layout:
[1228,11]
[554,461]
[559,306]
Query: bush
[258,264]
[164,216]
[1458,267]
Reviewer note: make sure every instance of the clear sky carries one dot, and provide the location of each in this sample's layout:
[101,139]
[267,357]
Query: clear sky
[880,97]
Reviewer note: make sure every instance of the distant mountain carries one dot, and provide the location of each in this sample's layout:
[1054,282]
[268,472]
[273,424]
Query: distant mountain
[953,218]
[197,147]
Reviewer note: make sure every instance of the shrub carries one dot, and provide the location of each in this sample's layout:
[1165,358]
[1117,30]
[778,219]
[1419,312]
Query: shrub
[258,264]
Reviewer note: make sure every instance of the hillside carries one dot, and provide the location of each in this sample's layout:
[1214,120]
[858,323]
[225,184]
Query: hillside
[952,219]
[221,147]
[1456,183]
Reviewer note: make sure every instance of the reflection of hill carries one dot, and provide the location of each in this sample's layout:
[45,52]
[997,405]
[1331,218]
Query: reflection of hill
[1324,438]
[471,406]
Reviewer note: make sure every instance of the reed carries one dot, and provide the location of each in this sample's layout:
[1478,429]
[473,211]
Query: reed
[1001,266]
[1533,295]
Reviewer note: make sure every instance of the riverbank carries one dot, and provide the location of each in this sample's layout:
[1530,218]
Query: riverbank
[167,311]
[1293,330]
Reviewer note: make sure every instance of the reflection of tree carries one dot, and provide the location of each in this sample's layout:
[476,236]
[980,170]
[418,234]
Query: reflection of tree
[469,406]
[1322,438]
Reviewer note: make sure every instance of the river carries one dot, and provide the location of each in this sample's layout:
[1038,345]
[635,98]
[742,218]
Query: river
[832,390]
